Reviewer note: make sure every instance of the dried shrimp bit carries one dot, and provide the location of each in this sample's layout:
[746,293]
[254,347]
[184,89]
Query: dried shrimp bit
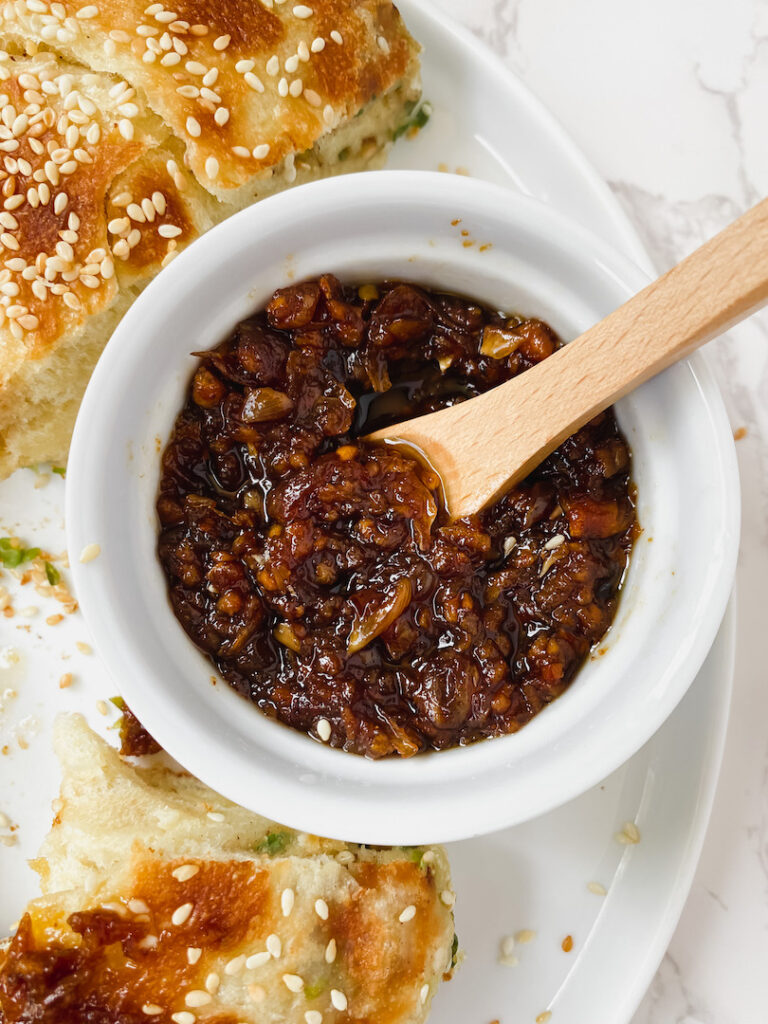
[373,621]
[499,342]
[285,635]
[263,404]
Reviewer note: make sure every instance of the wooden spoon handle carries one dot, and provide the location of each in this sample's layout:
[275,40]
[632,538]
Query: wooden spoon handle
[495,440]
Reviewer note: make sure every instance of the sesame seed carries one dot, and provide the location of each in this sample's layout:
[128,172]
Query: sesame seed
[66,681]
[257,960]
[525,936]
[507,945]
[221,43]
[302,11]
[172,231]
[71,300]
[273,65]
[101,705]
[274,946]
[91,11]
[212,983]
[313,1017]
[321,909]
[197,997]
[337,37]
[212,167]
[151,1009]
[260,152]
[318,45]
[194,67]
[9,241]
[382,44]
[447,897]
[423,993]
[135,212]
[345,856]
[128,109]
[328,114]
[90,551]
[253,81]
[170,60]
[241,151]
[296,87]
[235,965]
[189,92]
[282,87]
[408,914]
[293,982]
[629,835]
[287,900]
[83,647]
[185,872]
[29,322]
[183,1017]
[138,907]
[193,954]
[209,78]
[312,98]
[330,951]
[245,65]
[597,888]
[158,201]
[181,914]
[221,116]
[544,1017]
[210,95]
[338,1000]
[554,542]
[292,63]
[148,209]
[193,127]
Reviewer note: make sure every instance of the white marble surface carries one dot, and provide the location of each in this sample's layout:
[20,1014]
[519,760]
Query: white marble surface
[668,98]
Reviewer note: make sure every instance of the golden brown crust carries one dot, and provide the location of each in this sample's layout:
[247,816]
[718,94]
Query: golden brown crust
[228,934]
[242,84]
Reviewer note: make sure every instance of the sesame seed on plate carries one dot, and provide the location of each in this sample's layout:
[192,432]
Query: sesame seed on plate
[90,551]
[287,899]
[330,951]
[185,872]
[408,914]
[524,936]
[597,888]
[181,913]
[321,909]
[293,982]
[338,1000]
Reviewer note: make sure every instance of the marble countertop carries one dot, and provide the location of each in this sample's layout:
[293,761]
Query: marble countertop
[669,102]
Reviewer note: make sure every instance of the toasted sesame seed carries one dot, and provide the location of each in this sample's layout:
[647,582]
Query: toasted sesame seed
[189,92]
[90,11]
[212,983]
[181,914]
[185,872]
[235,965]
[193,954]
[151,1009]
[338,1000]
[313,1017]
[241,151]
[507,946]
[212,167]
[629,835]
[194,67]
[292,63]
[138,907]
[261,151]
[273,65]
[101,705]
[321,909]
[524,936]
[544,1017]
[296,87]
[408,914]
[90,551]
[221,116]
[330,951]
[244,65]
[128,109]
[28,322]
[382,44]
[302,11]
[329,115]
[337,37]
[197,997]
[83,647]
[597,888]
[318,45]
[274,946]
[312,98]
[293,982]
[287,899]
[447,897]
[170,60]
[221,43]
[257,960]
[193,127]
[125,127]
[158,201]
[423,993]
[172,231]
[183,1017]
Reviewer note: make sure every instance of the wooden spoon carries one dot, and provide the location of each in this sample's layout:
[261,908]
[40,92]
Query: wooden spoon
[483,446]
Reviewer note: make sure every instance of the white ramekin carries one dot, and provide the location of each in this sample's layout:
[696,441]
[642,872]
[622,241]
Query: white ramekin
[524,257]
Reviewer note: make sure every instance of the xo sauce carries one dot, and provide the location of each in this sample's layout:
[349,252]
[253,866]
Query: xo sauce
[321,574]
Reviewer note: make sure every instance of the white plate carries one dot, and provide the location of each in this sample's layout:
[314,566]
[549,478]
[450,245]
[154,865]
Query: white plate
[531,877]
